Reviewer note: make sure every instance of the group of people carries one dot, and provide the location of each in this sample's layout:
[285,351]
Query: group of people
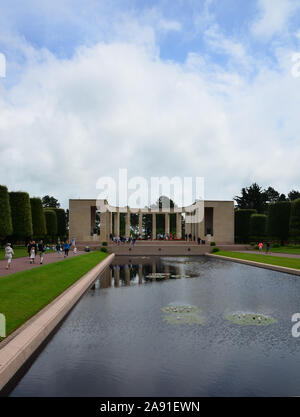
[33,248]
[121,239]
[38,249]
[261,245]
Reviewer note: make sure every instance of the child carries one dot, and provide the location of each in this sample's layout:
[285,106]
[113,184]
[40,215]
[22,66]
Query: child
[32,255]
[9,252]
[75,251]
[260,246]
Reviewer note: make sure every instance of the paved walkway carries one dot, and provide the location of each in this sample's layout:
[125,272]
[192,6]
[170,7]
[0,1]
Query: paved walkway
[21,264]
[282,255]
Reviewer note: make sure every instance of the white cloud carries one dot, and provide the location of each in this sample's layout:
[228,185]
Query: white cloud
[118,105]
[273,17]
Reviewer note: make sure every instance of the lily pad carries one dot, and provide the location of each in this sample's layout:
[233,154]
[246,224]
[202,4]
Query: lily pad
[250,319]
[180,309]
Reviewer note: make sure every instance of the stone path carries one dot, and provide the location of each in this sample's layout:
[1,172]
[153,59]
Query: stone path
[21,264]
[282,255]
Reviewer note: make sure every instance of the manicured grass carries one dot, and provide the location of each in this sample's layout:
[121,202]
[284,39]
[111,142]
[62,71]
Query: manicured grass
[265,259]
[24,293]
[20,252]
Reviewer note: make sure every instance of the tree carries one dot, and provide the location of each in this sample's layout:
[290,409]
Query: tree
[253,198]
[6,228]
[242,225]
[21,215]
[293,195]
[50,202]
[295,220]
[272,196]
[51,224]
[61,223]
[38,218]
[278,223]
[258,223]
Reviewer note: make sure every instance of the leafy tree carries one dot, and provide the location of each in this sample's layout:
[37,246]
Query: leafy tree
[282,197]
[294,195]
[272,196]
[295,220]
[258,224]
[21,215]
[6,228]
[50,202]
[253,198]
[242,224]
[38,218]
[279,220]
[51,224]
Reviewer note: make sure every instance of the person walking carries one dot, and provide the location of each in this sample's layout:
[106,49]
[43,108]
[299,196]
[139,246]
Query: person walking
[42,250]
[260,246]
[32,254]
[267,247]
[9,252]
[199,240]
[66,249]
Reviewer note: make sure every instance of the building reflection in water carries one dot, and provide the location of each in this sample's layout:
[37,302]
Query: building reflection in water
[126,271]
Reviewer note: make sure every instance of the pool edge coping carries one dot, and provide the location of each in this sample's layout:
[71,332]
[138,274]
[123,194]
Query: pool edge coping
[277,268]
[20,348]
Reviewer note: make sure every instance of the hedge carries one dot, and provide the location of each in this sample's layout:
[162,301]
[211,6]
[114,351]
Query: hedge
[258,225]
[38,218]
[21,215]
[242,224]
[6,228]
[295,220]
[278,223]
[51,224]
[61,222]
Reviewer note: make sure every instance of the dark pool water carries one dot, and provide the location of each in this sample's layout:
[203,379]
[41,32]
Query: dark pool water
[115,341]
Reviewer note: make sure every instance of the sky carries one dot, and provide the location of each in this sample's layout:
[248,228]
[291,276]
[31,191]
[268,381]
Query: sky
[199,88]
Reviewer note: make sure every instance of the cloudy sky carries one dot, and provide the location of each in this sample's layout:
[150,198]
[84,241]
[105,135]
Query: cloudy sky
[207,88]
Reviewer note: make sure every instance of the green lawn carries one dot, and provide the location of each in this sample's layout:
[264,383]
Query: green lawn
[265,259]
[20,252]
[23,294]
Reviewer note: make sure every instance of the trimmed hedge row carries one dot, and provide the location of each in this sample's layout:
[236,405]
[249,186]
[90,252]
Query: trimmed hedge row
[38,218]
[6,228]
[21,214]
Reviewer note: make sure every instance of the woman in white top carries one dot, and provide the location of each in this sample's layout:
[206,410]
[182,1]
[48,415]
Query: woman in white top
[9,252]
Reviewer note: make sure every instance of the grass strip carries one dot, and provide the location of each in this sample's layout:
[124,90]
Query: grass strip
[24,293]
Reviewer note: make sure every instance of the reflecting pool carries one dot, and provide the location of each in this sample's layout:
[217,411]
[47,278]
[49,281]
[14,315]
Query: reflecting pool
[174,326]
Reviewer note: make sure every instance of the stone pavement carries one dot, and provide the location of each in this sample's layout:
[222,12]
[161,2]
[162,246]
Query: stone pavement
[21,264]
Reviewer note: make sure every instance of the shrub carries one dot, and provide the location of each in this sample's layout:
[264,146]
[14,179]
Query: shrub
[21,215]
[295,220]
[258,224]
[278,223]
[103,249]
[38,218]
[212,243]
[242,224]
[104,243]
[6,228]
[215,249]
[276,245]
[51,224]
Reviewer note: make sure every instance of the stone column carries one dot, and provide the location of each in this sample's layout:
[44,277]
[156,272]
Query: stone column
[178,226]
[187,225]
[127,224]
[117,224]
[110,223]
[141,224]
[167,223]
[153,226]
[103,227]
